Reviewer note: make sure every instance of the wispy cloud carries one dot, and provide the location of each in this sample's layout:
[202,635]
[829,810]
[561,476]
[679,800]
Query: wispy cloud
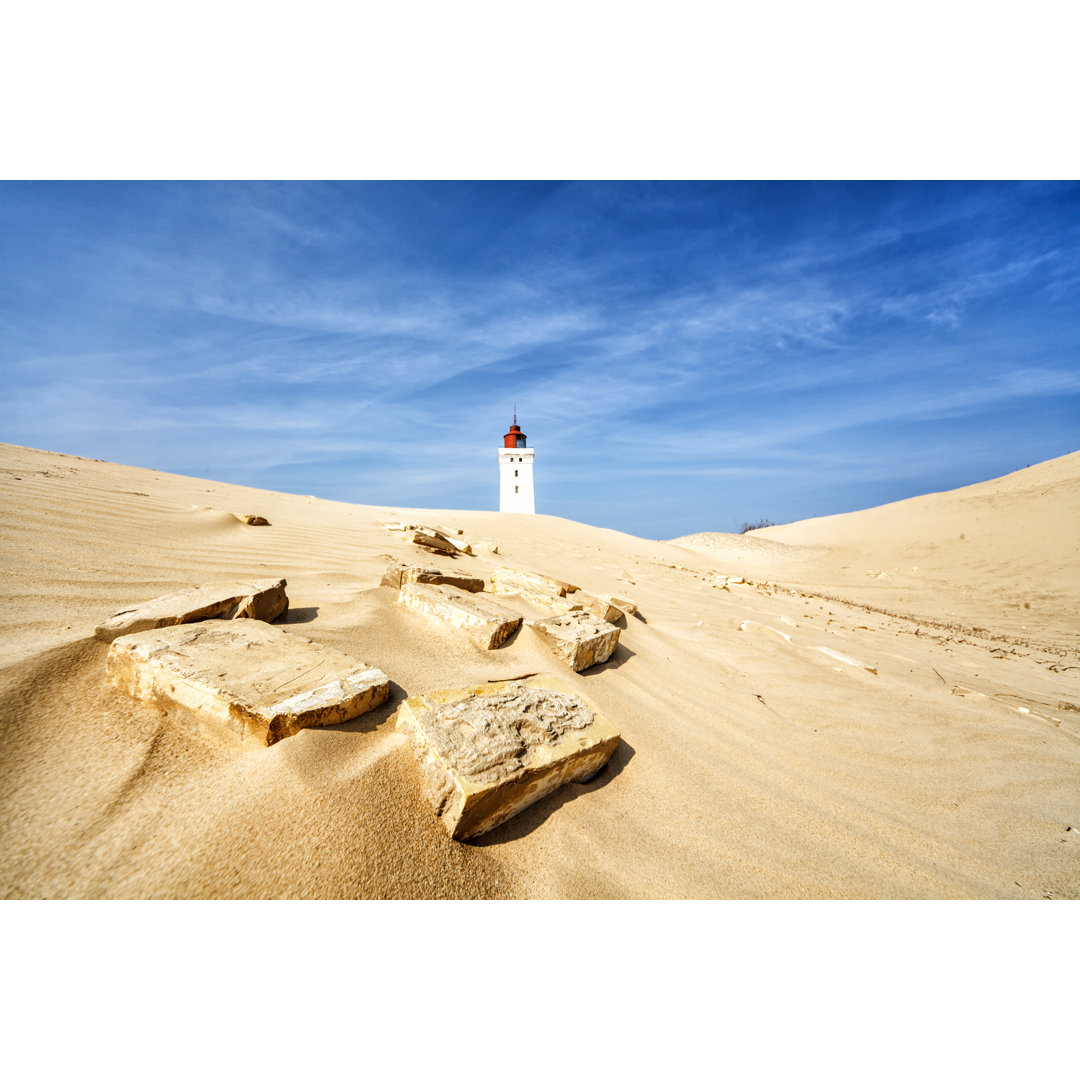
[732,332]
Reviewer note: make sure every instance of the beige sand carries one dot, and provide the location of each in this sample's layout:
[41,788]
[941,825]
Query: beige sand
[754,763]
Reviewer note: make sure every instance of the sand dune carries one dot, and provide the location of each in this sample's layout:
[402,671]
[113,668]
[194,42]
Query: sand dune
[890,709]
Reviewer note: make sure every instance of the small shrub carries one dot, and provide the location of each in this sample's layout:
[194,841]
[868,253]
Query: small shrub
[764,523]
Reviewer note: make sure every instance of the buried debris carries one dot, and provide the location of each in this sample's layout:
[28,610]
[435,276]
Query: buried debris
[844,658]
[578,638]
[485,621]
[251,519]
[438,541]
[244,683]
[595,605]
[487,752]
[398,575]
[265,600]
[506,580]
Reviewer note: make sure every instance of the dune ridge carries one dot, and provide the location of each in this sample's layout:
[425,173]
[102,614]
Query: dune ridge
[943,763]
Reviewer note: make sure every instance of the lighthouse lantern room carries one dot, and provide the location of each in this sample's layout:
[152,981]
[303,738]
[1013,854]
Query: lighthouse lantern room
[516,473]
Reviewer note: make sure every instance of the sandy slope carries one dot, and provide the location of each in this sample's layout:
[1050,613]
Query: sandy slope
[753,764]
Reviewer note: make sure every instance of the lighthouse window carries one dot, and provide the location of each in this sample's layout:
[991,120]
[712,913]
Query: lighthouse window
[515,489]
[515,472]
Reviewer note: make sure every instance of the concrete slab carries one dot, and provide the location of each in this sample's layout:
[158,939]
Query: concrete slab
[244,683]
[487,752]
[595,605]
[397,575]
[265,600]
[488,624]
[434,541]
[523,581]
[578,638]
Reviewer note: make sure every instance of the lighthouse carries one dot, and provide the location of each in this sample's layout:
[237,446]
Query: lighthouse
[516,473]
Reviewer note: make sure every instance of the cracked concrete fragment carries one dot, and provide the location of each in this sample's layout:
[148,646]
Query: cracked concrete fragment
[429,538]
[578,638]
[397,575]
[265,600]
[595,605]
[484,620]
[243,683]
[525,581]
[487,752]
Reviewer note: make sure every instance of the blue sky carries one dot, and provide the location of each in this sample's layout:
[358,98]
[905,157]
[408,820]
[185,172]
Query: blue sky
[684,357]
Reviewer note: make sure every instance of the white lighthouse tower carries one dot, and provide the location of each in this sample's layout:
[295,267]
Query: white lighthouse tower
[516,473]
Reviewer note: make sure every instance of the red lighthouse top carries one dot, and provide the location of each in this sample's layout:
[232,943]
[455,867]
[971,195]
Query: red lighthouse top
[514,439]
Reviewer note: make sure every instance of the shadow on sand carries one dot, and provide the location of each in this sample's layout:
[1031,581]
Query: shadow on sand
[301,615]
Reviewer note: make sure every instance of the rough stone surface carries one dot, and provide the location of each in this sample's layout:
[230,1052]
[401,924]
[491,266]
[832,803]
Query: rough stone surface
[396,576]
[628,607]
[595,605]
[244,683]
[487,752]
[525,581]
[265,600]
[579,638]
[435,541]
[560,605]
[488,624]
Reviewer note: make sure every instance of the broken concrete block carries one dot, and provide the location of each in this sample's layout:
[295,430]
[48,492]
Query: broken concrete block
[595,605]
[487,752]
[396,576]
[558,604]
[627,607]
[578,638]
[251,519]
[435,541]
[485,621]
[265,600]
[244,683]
[561,605]
[525,581]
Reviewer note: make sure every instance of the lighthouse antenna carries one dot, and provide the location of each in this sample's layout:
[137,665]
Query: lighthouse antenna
[515,414]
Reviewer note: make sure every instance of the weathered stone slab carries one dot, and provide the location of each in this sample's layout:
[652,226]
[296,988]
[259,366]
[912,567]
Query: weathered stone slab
[435,541]
[487,752]
[244,683]
[524,581]
[578,638]
[265,600]
[396,576]
[627,607]
[485,621]
[561,605]
[595,605]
